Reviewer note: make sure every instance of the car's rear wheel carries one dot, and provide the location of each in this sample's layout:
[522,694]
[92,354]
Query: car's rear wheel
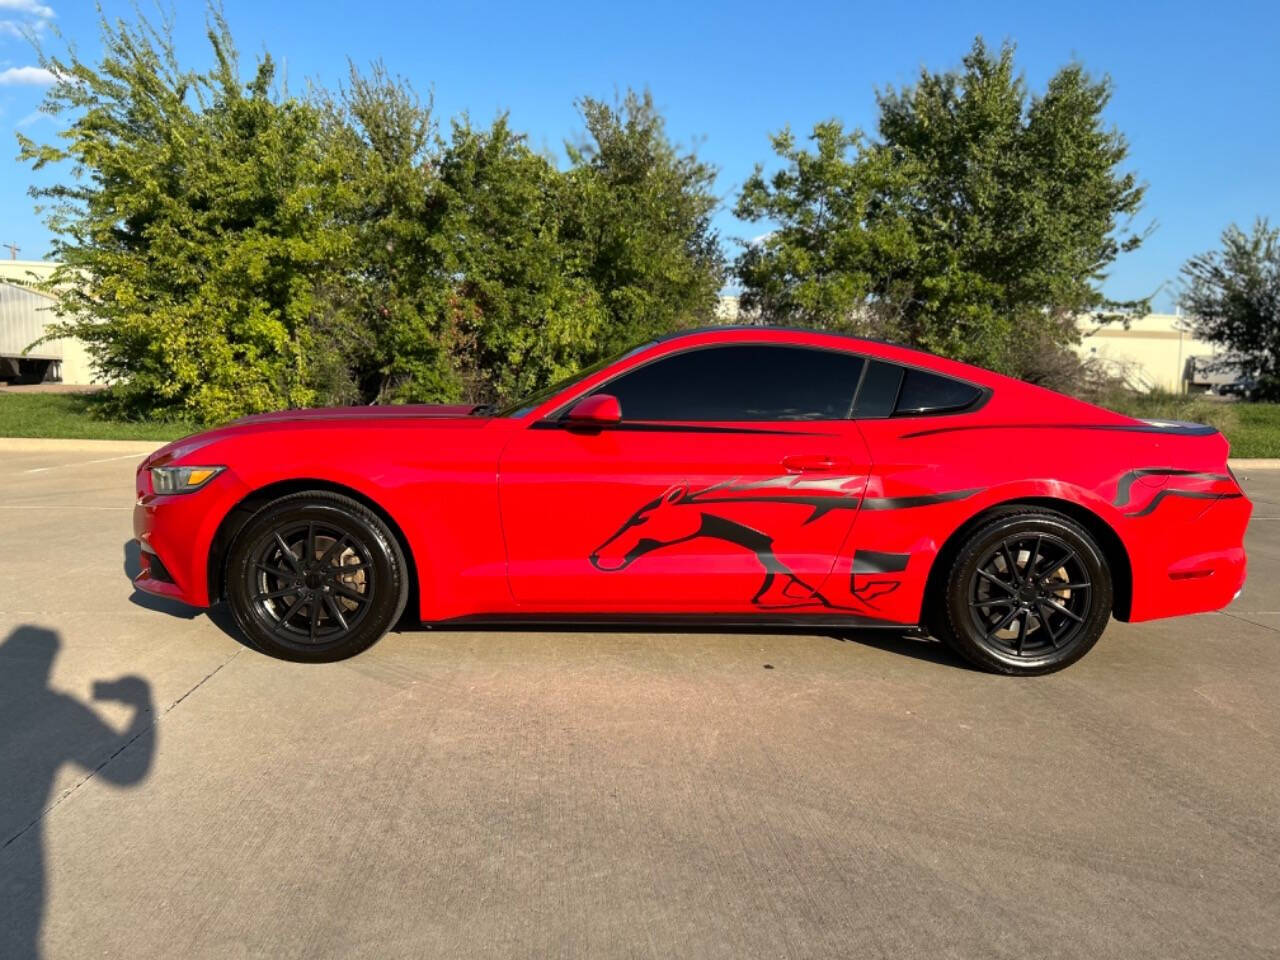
[1028,593]
[315,577]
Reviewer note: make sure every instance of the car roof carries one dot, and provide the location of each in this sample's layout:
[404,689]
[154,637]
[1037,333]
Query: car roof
[786,328]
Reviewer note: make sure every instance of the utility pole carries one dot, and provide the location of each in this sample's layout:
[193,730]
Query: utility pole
[13,250]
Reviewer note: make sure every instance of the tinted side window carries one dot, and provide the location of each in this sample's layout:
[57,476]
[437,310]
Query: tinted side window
[740,383]
[924,392]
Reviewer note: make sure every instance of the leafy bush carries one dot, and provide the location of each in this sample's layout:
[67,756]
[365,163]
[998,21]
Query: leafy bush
[228,248]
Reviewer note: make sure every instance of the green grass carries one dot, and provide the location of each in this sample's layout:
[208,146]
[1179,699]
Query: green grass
[1253,429]
[75,416]
[1258,432]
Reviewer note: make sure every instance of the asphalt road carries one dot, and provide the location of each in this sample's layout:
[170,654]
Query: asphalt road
[525,794]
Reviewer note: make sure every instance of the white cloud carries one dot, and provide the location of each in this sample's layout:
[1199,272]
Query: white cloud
[29,7]
[26,76]
[32,17]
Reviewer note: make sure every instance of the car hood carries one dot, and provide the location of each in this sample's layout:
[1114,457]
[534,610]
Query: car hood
[318,417]
[398,412]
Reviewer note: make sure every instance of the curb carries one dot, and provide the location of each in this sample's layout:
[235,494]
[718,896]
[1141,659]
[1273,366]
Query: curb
[48,445]
[1244,466]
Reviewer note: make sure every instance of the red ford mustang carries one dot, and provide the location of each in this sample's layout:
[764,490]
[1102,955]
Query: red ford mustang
[733,476]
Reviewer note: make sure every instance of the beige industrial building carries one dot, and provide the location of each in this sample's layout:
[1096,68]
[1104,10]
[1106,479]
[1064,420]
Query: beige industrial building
[1151,353]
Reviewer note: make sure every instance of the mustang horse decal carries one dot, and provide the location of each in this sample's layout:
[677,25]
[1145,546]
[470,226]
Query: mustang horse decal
[680,515]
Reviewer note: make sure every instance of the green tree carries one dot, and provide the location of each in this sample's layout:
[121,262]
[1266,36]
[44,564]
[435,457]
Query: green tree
[194,234]
[1233,294]
[229,248]
[638,218]
[979,224]
[520,310]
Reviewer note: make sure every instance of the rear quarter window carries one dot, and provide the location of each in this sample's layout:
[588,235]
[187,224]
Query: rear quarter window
[925,392]
[892,390]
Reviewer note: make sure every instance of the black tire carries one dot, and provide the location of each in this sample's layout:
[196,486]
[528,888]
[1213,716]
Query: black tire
[341,584]
[1041,569]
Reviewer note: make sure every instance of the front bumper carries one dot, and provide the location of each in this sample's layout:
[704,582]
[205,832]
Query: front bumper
[175,533]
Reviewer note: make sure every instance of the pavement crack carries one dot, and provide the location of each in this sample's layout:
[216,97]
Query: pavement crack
[149,728]
[1252,623]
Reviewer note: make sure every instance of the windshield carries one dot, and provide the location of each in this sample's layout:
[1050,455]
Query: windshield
[525,404]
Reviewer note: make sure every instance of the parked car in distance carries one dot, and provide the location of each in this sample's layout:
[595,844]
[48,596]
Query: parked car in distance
[1217,378]
[744,477]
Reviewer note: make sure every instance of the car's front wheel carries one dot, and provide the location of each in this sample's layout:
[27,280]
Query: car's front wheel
[1028,593]
[315,577]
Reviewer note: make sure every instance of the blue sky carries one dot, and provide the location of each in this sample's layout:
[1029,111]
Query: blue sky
[1197,89]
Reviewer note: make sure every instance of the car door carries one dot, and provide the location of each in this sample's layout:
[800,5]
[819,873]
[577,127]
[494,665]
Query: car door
[729,485]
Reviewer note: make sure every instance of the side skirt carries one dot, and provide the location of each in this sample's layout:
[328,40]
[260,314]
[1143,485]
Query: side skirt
[703,622]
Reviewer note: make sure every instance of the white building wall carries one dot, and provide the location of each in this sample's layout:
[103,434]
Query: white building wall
[24,314]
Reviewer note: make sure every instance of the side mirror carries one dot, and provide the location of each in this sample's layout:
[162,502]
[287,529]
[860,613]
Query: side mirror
[594,412]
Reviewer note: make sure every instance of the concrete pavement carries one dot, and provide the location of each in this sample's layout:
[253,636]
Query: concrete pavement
[530,794]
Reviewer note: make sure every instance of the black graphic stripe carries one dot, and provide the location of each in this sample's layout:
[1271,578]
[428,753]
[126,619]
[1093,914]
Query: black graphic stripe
[873,561]
[1181,429]
[924,500]
[1188,494]
[1128,480]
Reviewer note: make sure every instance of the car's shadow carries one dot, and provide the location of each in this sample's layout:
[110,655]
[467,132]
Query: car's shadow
[908,644]
[217,614]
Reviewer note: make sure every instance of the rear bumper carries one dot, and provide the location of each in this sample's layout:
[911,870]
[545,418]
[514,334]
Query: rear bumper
[1192,560]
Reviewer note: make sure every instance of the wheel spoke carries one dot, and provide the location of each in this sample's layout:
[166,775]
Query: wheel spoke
[284,621]
[1034,561]
[1022,630]
[1011,562]
[315,617]
[288,554]
[1044,622]
[341,588]
[334,548]
[1008,618]
[276,594]
[1002,602]
[1068,586]
[276,571]
[997,581]
[310,553]
[335,611]
[1061,609]
[1067,558]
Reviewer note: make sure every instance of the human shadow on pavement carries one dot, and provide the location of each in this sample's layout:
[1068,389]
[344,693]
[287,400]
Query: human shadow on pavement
[40,730]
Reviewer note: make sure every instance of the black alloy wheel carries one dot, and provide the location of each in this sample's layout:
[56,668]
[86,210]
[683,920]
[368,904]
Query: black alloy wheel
[1029,593]
[316,577]
[313,582]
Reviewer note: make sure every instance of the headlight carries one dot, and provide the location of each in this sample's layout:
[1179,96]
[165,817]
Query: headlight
[181,479]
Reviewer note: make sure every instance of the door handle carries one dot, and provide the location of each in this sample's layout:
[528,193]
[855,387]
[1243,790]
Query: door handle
[815,463]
